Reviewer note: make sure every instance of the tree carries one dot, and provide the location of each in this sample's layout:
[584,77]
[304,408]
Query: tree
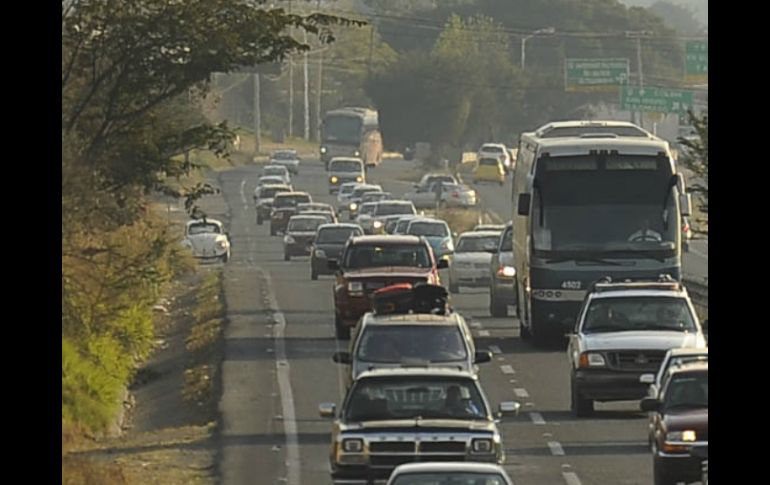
[696,158]
[678,17]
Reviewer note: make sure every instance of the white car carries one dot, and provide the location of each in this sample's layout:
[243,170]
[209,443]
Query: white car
[277,171]
[271,180]
[287,158]
[343,196]
[452,195]
[469,265]
[496,150]
[207,240]
[461,473]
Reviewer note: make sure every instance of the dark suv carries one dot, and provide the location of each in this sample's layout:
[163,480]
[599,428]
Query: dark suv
[369,263]
[284,206]
[679,421]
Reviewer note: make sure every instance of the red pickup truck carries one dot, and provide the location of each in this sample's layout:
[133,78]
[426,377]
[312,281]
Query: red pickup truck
[369,263]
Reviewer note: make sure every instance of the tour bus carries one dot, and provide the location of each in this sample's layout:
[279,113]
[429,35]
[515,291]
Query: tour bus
[586,206]
[351,132]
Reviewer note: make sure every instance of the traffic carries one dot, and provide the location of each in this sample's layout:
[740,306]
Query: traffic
[596,271]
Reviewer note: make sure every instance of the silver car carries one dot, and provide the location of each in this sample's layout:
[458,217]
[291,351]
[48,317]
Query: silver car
[469,265]
[287,158]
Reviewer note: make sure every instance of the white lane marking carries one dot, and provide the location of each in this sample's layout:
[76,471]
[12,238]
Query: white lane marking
[556,449]
[283,371]
[507,369]
[475,324]
[571,478]
[243,196]
[536,418]
[520,392]
[483,333]
[495,349]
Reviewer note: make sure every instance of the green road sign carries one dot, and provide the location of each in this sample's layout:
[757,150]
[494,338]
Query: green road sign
[595,74]
[657,100]
[696,67]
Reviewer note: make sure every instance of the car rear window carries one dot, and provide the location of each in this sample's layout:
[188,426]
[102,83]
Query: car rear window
[439,343]
[384,209]
[337,234]
[363,256]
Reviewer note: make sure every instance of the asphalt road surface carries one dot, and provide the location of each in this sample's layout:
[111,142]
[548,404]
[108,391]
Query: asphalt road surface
[278,367]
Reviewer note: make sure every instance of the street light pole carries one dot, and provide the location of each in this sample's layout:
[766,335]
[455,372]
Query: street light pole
[549,30]
[638,34]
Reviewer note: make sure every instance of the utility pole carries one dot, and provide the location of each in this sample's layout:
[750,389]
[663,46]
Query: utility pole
[318,91]
[549,30]
[371,47]
[257,116]
[307,99]
[291,88]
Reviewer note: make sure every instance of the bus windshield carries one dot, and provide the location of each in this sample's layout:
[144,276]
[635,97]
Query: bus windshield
[624,205]
[343,129]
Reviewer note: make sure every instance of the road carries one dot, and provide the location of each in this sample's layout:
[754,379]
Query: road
[278,367]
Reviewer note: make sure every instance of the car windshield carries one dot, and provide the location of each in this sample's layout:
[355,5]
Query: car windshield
[638,313]
[475,244]
[402,225]
[277,171]
[203,228]
[375,196]
[374,255]
[402,343]
[284,156]
[431,179]
[345,166]
[347,189]
[359,192]
[290,201]
[367,209]
[337,234]
[492,149]
[429,229]
[689,390]
[305,225]
[377,399]
[392,209]
[488,162]
[507,245]
[269,192]
[327,217]
[450,478]
[680,360]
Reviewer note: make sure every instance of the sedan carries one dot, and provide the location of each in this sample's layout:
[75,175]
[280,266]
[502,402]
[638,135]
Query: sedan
[446,473]
[471,260]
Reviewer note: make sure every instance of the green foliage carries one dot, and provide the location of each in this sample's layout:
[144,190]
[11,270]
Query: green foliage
[696,158]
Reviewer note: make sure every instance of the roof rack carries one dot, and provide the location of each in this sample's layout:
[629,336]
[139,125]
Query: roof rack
[406,298]
[662,282]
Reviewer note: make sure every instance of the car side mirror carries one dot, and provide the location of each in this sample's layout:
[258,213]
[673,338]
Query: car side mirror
[482,357]
[649,404]
[647,378]
[508,408]
[327,409]
[524,202]
[685,204]
[333,264]
[342,357]
[442,264]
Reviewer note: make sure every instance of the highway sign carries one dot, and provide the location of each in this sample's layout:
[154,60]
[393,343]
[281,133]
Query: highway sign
[654,99]
[592,75]
[696,67]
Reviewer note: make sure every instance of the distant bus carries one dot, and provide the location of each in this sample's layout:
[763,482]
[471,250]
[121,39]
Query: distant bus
[589,202]
[351,132]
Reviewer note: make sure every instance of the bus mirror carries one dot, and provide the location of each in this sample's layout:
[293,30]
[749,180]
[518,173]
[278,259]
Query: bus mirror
[685,204]
[523,205]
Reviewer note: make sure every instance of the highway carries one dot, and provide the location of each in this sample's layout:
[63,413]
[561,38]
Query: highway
[278,367]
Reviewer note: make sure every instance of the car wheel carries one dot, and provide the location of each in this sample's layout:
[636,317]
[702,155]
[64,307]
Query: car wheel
[342,332]
[581,407]
[286,256]
[497,308]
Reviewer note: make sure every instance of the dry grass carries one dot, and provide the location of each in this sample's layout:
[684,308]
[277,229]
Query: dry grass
[76,470]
